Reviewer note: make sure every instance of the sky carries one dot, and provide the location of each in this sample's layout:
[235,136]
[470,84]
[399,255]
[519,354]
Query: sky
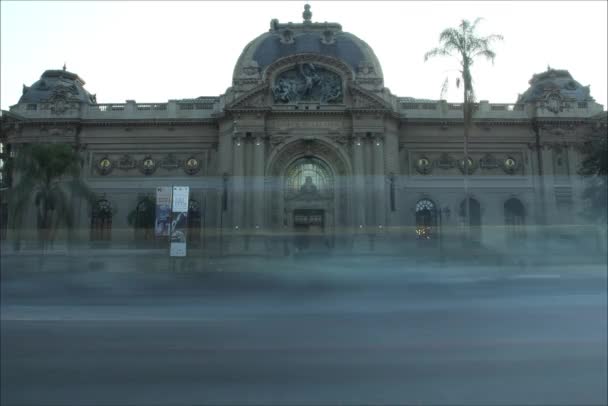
[155,51]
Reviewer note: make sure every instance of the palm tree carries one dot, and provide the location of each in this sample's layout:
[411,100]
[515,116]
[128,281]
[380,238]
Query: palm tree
[465,45]
[49,175]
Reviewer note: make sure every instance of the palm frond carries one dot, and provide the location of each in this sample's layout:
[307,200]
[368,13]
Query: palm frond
[474,25]
[436,52]
[488,54]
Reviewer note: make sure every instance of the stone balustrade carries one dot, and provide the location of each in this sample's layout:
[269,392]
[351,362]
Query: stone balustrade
[484,109]
[205,107]
[173,109]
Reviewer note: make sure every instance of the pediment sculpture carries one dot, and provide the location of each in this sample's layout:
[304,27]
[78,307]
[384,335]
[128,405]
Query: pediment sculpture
[307,82]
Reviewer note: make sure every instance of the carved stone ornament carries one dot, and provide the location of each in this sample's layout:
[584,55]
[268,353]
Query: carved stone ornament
[510,165]
[365,69]
[307,82]
[554,102]
[252,70]
[445,161]
[147,166]
[169,162]
[126,163]
[104,166]
[192,166]
[277,140]
[61,99]
[470,164]
[488,162]
[287,37]
[58,131]
[328,37]
[423,165]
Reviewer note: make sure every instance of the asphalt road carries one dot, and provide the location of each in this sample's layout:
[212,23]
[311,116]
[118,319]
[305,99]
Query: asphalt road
[519,340]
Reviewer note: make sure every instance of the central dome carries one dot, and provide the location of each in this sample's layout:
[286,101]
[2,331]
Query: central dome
[325,39]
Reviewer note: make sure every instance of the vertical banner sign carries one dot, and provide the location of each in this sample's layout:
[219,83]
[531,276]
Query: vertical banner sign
[179,223]
[162,223]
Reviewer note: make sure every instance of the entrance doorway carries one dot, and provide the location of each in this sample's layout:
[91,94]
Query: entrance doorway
[309,228]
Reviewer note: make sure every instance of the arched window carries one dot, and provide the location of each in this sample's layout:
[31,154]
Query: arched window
[515,216]
[143,218]
[426,219]
[194,224]
[308,175]
[101,221]
[474,218]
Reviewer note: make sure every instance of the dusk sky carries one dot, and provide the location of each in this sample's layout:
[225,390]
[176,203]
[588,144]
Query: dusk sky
[155,51]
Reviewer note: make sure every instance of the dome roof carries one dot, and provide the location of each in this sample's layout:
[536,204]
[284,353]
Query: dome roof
[57,83]
[555,81]
[326,39]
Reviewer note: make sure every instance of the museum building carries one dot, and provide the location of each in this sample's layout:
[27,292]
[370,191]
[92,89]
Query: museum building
[308,150]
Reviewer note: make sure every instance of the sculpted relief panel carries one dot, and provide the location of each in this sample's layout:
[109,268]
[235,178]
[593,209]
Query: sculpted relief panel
[307,82]
[157,164]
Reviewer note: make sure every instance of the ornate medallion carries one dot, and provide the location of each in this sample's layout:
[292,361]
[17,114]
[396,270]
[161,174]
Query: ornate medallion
[191,166]
[471,165]
[423,165]
[148,165]
[104,166]
[510,165]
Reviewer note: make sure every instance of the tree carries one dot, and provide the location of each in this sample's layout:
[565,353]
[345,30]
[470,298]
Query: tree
[594,168]
[465,45]
[49,175]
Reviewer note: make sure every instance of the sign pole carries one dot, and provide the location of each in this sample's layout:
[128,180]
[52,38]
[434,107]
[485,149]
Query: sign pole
[179,222]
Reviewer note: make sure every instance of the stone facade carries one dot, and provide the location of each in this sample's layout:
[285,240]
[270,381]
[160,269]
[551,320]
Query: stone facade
[308,142]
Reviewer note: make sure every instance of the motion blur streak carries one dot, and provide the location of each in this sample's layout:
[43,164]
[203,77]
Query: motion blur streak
[305,331]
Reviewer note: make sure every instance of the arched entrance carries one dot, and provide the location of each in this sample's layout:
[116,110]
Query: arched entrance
[307,195]
[426,220]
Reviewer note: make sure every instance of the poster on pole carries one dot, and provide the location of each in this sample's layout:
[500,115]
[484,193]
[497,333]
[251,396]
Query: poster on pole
[162,222]
[179,223]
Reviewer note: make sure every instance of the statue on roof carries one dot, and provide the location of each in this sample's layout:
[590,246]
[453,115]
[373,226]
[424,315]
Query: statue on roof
[307,14]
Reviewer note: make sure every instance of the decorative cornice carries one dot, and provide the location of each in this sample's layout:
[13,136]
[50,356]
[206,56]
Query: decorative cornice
[253,100]
[363,100]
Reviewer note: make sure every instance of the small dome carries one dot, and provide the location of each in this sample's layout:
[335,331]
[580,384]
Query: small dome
[326,39]
[555,81]
[57,83]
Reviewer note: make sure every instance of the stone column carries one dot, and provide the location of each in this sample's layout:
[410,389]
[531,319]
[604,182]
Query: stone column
[379,180]
[379,187]
[258,221]
[359,183]
[359,199]
[238,191]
